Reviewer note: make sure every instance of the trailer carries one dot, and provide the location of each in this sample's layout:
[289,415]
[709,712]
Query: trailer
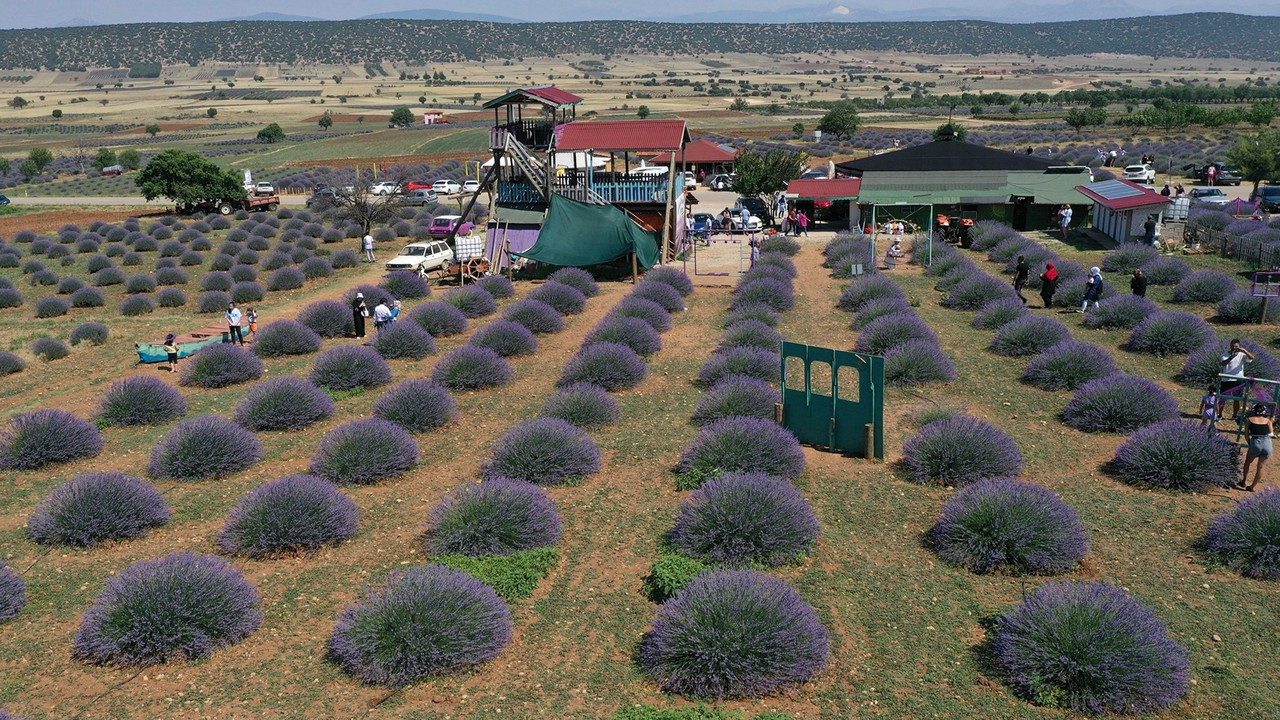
[269,203]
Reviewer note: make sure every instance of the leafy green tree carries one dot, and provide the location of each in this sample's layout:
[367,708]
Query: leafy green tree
[761,173]
[951,131]
[130,159]
[798,128]
[1257,157]
[37,160]
[211,112]
[272,133]
[326,120]
[977,110]
[739,105]
[1262,113]
[422,99]
[187,179]
[57,114]
[642,112]
[1080,118]
[402,117]
[840,121]
[105,158]
[153,129]
[18,102]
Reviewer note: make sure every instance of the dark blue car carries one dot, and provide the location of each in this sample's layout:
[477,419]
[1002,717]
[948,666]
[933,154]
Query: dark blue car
[3,201]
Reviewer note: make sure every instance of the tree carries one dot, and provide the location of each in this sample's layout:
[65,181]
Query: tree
[366,208]
[57,114]
[211,112]
[950,131]
[37,160]
[977,110]
[187,179]
[153,129]
[402,117]
[130,159]
[1262,113]
[105,158]
[841,120]
[1257,157]
[1080,118]
[18,102]
[272,133]
[761,173]
[798,129]
[739,105]
[326,120]
[642,112]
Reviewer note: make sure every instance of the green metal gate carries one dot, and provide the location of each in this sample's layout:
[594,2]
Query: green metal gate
[833,399]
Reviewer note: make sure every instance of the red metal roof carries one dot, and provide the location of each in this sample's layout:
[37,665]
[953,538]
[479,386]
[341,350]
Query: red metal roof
[825,189]
[1121,194]
[555,95]
[700,151]
[549,95]
[624,136]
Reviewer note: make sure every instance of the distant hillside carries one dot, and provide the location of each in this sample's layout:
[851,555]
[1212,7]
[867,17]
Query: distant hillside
[437,14]
[357,41]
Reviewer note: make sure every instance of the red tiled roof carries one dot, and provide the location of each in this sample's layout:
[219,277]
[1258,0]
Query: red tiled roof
[546,94]
[700,151]
[1120,194]
[624,136]
[825,189]
[554,94]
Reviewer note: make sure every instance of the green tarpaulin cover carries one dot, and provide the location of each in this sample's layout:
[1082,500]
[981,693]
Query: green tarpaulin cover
[576,234]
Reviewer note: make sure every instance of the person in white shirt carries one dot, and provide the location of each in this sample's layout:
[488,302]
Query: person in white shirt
[1064,220]
[368,248]
[1233,362]
[233,324]
[381,316]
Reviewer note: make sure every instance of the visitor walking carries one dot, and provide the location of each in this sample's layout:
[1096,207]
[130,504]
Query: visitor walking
[1048,284]
[1020,274]
[1232,363]
[803,219]
[1149,230]
[791,223]
[171,350]
[381,316]
[1213,174]
[1138,283]
[252,316]
[1261,429]
[368,248]
[1092,289]
[234,332]
[359,311]
[1064,220]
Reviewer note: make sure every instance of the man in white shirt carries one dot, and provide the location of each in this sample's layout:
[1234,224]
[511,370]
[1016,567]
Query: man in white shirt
[233,324]
[381,316]
[1233,363]
[368,248]
[1064,220]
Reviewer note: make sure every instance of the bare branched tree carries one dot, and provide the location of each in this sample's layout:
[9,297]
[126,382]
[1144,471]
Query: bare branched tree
[366,207]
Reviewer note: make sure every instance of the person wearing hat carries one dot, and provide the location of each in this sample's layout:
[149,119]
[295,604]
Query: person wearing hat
[359,311]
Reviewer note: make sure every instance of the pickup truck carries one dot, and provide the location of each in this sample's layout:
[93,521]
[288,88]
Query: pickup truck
[226,207]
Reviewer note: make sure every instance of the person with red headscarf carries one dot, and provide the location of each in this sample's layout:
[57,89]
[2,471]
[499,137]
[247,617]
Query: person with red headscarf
[1048,284]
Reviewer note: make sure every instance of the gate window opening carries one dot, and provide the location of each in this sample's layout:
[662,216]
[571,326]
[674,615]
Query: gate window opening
[820,380]
[794,373]
[847,382]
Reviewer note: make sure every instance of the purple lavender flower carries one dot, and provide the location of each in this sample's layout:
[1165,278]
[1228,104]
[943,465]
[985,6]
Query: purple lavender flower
[632,332]
[1247,539]
[663,294]
[293,513]
[565,299]
[612,366]
[742,518]
[916,362]
[647,310]
[497,517]
[204,447]
[1004,524]
[1170,332]
[91,508]
[350,366]
[284,403]
[364,452]
[669,275]
[141,400]
[471,368]
[13,593]
[544,451]
[43,437]
[737,396]
[743,444]
[749,362]
[1068,365]
[960,450]
[1118,403]
[1177,455]
[417,405]
[578,279]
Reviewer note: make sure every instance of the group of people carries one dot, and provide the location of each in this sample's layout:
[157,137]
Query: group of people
[1259,421]
[795,223]
[1050,278]
[1109,157]
[1175,191]
[383,314]
[236,321]
[894,227]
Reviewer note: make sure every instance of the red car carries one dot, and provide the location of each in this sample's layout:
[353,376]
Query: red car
[411,185]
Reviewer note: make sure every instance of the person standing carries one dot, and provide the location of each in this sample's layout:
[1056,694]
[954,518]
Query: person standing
[381,316]
[791,223]
[1178,190]
[359,311]
[1209,407]
[1166,191]
[1048,284]
[1149,230]
[1092,289]
[171,350]
[252,316]
[1138,283]
[1261,428]
[1064,220]
[1020,274]
[395,311]
[746,219]
[368,248]
[1212,173]
[803,219]
[1232,364]
[234,331]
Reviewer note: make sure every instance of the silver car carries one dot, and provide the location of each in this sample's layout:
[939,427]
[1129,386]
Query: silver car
[420,197]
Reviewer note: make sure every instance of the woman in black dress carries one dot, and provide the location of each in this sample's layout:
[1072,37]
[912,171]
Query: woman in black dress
[359,311]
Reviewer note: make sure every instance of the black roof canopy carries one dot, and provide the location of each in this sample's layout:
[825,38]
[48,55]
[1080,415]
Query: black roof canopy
[946,155]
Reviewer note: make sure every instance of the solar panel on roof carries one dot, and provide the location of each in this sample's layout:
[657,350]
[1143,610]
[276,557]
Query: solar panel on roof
[1114,189]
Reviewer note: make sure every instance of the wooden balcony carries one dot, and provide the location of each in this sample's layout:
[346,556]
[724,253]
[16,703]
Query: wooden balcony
[612,187]
[533,134]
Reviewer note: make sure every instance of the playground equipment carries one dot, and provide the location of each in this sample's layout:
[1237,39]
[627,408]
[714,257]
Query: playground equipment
[1248,391]
[1266,285]
[706,238]
[833,399]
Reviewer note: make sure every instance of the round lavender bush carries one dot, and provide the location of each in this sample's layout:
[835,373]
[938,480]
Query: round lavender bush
[1121,313]
[916,362]
[10,363]
[734,634]
[364,452]
[1091,648]
[471,368]
[741,444]
[292,514]
[429,620]
[1068,365]
[873,310]
[960,450]
[507,338]
[737,396]
[1129,257]
[1029,335]
[406,285]
[632,332]
[1204,286]
[1009,526]
[202,448]
[584,405]
[887,332]
[1119,403]
[183,605]
[777,294]
[977,290]
[1170,332]
[328,319]
[1242,307]
[51,307]
[750,362]
[94,333]
[544,451]
[400,341]
[473,300]
[97,507]
[439,318]
[668,275]
[536,316]
[751,333]
[43,437]
[220,366]
[665,296]
[646,310]
[141,400]
[284,403]
[744,518]
[576,278]
[416,405]
[349,367]
[1167,271]
[497,517]
[82,298]
[497,286]
[13,593]
[612,366]
[998,313]
[1203,365]
[1176,455]
[49,349]
[1247,539]
[286,337]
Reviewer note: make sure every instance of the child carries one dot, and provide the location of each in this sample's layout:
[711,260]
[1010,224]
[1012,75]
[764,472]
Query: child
[1209,407]
[252,316]
[171,348]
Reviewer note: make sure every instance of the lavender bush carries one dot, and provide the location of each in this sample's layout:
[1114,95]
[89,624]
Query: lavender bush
[473,300]
[737,396]
[49,349]
[349,367]
[887,332]
[1119,403]
[292,514]
[776,294]
[545,451]
[85,297]
[1167,271]
[750,362]
[565,299]
[93,333]
[13,593]
[741,444]
[181,605]
[284,403]
[96,507]
[471,368]
[998,313]
[406,285]
[536,316]
[220,366]
[1242,307]
[400,341]
[458,622]
[612,366]
[1068,365]
[497,517]
[416,405]
[1204,286]
[916,362]
[141,400]
[646,310]
[1203,365]
[439,318]
[203,448]
[286,337]
[507,338]
[10,363]
[1129,257]
[1121,313]
[978,290]
[960,450]
[1170,332]
[584,405]
[873,310]
[1176,455]
[135,305]
[43,437]
[1012,526]
[578,279]
[168,297]
[1091,648]
[52,306]
[740,519]
[364,452]
[734,634]
[664,295]
[497,286]
[1247,539]
[668,275]
[751,333]
[328,319]
[631,332]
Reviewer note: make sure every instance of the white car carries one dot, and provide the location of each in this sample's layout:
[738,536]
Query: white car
[754,224]
[422,256]
[264,188]
[385,188]
[471,186]
[1140,174]
[1211,195]
[446,187]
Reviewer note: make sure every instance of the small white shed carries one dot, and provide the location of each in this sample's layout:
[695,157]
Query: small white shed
[1121,208]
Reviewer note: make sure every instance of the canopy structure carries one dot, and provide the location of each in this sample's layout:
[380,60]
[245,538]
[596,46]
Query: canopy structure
[577,234]
[700,151]
[563,159]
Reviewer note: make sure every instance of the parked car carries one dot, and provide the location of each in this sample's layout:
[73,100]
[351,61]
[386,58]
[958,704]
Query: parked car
[814,174]
[112,170]
[754,222]
[325,197]
[385,188]
[720,182]
[446,187]
[420,197]
[1268,196]
[422,256]
[758,207]
[442,225]
[264,188]
[412,185]
[1211,195]
[1140,174]
[1223,175]
[4,200]
[471,186]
